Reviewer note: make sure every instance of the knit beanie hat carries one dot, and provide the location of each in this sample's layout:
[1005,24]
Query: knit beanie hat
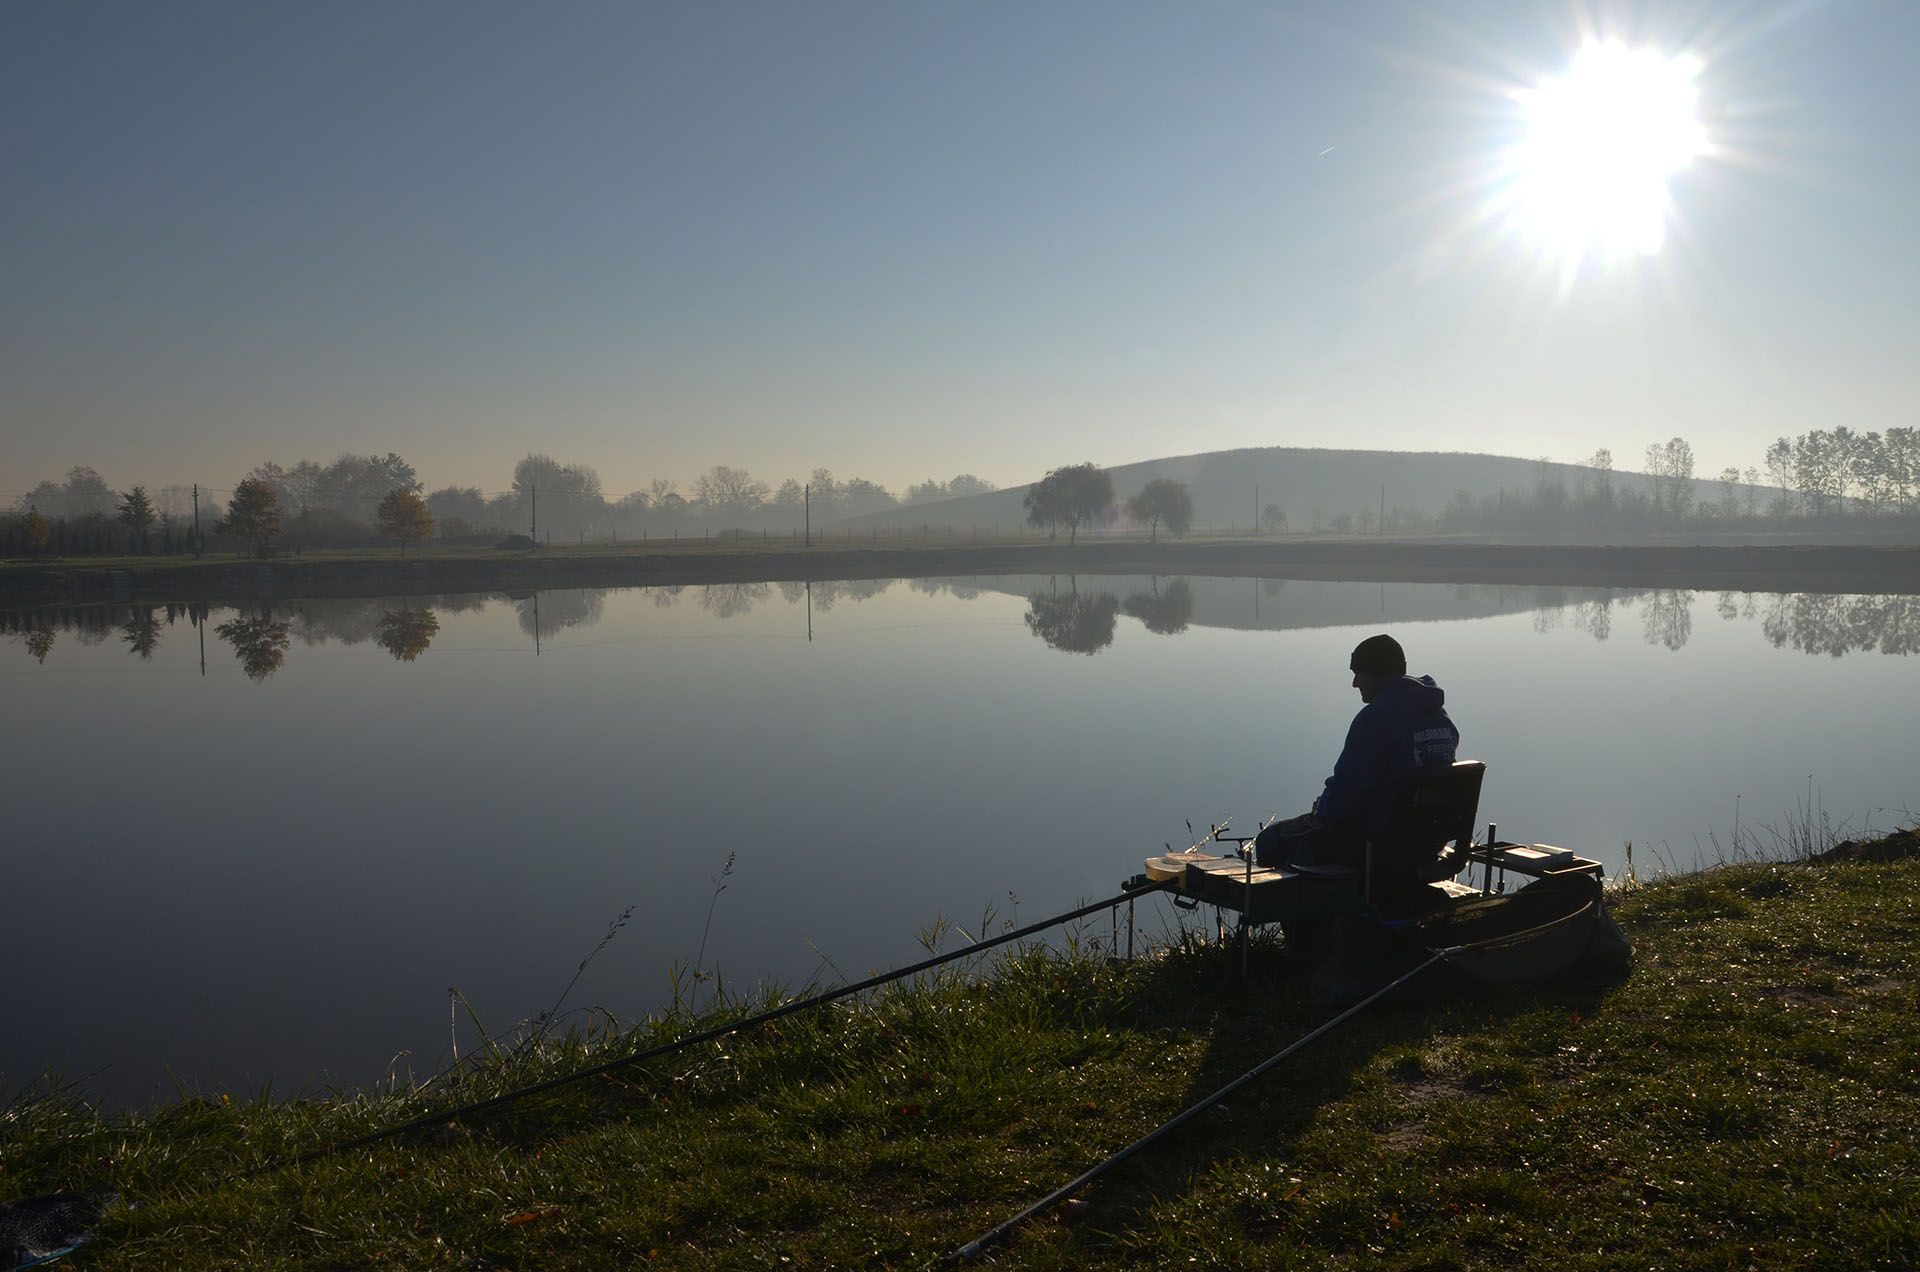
[1380,656]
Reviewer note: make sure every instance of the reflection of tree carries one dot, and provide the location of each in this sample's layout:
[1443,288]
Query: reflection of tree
[1165,613]
[141,631]
[793,593]
[1073,624]
[259,643]
[825,594]
[664,597]
[340,622]
[1834,625]
[725,600]
[1667,616]
[40,643]
[557,611]
[406,633]
[1272,587]
[1595,617]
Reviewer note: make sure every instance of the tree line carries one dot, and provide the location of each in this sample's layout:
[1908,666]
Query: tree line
[1819,478]
[361,498]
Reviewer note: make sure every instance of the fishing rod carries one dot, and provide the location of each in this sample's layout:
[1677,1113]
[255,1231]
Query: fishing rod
[430,1120]
[974,1248]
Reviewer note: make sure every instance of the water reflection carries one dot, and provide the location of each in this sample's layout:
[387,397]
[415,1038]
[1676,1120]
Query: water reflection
[1834,625]
[1165,612]
[141,631]
[1667,618]
[1069,614]
[406,633]
[544,615]
[825,595]
[259,643]
[1073,623]
[728,600]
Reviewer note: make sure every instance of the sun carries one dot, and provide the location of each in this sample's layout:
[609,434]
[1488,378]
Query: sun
[1597,146]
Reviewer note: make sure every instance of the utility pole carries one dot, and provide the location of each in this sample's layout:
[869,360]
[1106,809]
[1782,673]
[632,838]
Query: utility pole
[196,544]
[1383,510]
[1256,512]
[806,506]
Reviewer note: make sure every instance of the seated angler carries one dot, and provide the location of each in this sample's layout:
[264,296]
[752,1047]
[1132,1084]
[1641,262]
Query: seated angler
[1402,729]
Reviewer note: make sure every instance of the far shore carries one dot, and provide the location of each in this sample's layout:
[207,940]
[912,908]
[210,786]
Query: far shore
[1782,567]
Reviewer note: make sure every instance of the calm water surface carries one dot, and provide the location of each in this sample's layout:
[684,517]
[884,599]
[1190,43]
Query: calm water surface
[274,869]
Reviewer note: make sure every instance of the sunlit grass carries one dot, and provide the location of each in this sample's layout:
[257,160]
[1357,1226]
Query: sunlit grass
[1747,1097]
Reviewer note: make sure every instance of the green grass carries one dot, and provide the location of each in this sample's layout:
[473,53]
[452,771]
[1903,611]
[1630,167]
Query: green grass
[1747,1098]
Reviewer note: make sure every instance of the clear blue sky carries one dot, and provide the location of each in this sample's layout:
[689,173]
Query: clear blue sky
[909,239]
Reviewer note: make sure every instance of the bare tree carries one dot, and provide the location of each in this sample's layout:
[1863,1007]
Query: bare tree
[729,491]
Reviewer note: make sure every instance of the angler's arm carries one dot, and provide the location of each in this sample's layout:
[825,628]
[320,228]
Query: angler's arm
[1357,773]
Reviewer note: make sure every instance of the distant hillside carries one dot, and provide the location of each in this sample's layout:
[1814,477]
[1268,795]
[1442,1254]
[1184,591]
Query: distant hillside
[1298,479]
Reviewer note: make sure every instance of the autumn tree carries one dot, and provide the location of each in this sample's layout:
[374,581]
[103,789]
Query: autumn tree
[253,513]
[1163,500]
[403,516]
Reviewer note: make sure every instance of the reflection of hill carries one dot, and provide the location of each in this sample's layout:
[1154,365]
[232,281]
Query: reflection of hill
[1079,615]
[1290,604]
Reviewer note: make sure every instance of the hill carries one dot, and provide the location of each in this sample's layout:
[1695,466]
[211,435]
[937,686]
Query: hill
[1311,486]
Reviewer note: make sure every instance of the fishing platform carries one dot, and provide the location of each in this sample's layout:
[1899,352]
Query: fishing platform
[1266,894]
[1427,861]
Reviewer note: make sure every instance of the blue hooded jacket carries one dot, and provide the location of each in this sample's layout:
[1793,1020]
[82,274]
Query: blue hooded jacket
[1404,730]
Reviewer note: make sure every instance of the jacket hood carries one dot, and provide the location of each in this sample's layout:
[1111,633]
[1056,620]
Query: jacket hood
[1418,692]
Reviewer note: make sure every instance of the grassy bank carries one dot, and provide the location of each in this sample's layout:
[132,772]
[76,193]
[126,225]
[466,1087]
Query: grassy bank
[1747,1098]
[1810,568]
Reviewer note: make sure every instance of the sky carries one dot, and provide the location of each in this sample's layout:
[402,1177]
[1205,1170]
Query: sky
[910,239]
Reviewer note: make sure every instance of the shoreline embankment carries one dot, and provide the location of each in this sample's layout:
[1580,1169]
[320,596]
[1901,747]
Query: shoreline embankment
[1791,568]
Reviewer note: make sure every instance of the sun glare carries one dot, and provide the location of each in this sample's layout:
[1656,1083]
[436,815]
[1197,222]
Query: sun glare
[1599,143]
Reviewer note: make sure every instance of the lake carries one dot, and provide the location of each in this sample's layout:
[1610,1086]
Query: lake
[251,847]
